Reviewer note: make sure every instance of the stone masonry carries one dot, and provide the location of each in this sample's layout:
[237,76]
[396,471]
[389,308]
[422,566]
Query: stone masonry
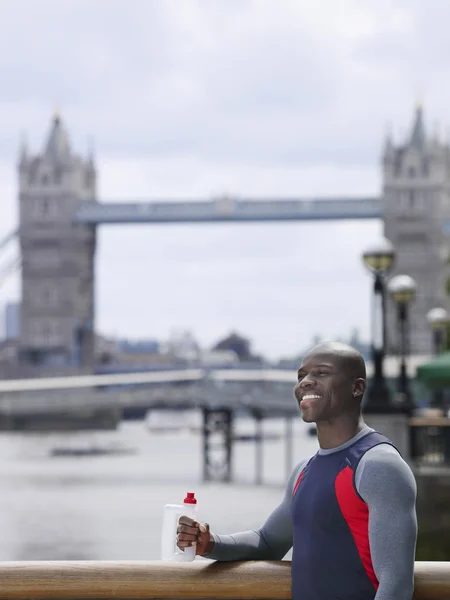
[57,256]
[416,206]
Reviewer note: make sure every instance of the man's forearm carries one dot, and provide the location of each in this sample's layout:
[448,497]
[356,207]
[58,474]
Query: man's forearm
[271,542]
[245,545]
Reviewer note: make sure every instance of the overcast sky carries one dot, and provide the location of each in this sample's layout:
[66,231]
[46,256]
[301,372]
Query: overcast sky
[196,98]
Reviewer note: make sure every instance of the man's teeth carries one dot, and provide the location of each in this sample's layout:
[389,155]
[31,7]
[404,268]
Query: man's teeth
[310,397]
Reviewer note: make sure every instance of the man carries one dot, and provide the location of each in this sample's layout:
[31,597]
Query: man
[348,512]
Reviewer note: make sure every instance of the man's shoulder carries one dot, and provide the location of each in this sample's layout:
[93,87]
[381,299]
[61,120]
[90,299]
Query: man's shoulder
[383,458]
[381,455]
[380,450]
[299,467]
[383,468]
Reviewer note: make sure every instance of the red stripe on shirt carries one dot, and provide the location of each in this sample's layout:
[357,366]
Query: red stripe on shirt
[356,513]
[300,477]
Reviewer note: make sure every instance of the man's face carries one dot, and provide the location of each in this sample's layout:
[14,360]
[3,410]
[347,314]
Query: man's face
[324,388]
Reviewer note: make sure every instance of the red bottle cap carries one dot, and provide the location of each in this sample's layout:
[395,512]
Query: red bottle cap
[190,498]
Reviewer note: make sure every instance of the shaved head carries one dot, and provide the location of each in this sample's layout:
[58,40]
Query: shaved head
[352,360]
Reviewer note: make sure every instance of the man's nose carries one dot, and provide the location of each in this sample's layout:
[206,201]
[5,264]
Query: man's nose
[307,382]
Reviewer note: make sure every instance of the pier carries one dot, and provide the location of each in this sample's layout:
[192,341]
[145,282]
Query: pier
[103,401]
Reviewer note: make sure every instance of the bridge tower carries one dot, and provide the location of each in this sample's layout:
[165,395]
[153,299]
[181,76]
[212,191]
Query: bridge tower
[57,310]
[416,205]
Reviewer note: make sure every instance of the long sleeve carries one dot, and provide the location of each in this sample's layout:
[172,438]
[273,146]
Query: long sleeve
[387,485]
[271,542]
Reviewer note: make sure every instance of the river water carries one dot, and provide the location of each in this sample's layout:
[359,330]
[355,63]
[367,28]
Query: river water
[110,507]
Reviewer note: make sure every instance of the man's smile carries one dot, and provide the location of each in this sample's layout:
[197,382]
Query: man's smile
[310,396]
[308,399]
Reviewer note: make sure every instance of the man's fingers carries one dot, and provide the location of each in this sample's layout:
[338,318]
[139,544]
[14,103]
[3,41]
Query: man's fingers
[189,532]
[187,521]
[187,529]
[186,539]
[184,543]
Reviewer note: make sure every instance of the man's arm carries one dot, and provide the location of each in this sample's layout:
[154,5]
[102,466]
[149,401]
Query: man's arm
[271,542]
[387,485]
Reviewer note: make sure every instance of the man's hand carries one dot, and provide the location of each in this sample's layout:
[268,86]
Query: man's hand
[190,532]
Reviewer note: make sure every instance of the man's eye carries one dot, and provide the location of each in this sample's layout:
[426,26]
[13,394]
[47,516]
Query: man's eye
[323,372]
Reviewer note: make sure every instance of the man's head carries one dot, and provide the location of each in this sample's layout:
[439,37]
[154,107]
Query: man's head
[331,382]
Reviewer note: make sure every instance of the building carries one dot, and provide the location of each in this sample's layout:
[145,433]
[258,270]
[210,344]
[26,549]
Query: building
[416,208]
[12,321]
[57,312]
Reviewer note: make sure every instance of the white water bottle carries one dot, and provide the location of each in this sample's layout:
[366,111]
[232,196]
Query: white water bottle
[172,513]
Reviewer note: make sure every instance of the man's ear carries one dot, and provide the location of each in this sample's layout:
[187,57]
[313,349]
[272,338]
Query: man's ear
[359,387]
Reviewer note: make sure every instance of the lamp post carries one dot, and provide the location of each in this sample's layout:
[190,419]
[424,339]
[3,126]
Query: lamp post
[379,260]
[403,291]
[438,320]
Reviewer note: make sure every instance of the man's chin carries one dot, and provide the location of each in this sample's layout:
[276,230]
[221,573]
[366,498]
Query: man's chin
[307,418]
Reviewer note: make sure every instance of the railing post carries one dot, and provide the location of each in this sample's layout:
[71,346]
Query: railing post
[414,443]
[217,444]
[259,466]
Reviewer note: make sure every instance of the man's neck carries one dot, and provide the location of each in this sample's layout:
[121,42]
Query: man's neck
[334,434]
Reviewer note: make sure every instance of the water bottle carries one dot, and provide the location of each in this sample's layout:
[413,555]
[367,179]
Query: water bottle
[172,513]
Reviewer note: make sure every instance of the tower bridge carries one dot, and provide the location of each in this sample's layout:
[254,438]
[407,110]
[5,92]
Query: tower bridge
[230,210]
[60,213]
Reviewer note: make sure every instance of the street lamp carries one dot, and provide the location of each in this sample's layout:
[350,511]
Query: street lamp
[403,291]
[379,260]
[438,320]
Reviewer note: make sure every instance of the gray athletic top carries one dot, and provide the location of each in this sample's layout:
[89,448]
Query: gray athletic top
[387,485]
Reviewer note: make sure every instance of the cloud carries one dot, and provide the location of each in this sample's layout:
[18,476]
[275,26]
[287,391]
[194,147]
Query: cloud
[260,82]
[195,98]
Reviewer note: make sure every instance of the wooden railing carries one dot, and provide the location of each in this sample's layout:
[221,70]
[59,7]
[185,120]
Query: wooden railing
[200,579]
